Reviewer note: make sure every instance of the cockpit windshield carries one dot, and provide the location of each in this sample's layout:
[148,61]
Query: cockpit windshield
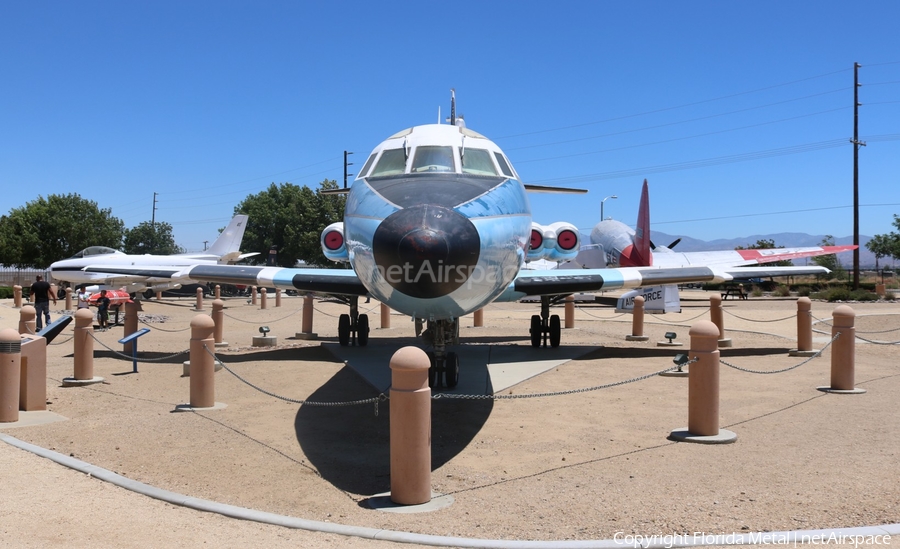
[94,250]
[429,158]
[392,162]
[478,162]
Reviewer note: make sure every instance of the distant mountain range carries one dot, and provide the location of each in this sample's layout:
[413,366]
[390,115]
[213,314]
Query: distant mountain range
[789,240]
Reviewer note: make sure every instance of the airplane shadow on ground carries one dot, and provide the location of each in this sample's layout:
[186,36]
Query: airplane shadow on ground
[350,445]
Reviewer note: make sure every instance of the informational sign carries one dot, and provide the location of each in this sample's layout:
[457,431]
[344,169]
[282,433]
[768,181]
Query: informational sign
[657,299]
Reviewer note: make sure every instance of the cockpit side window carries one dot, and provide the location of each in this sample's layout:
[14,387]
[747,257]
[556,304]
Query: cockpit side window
[504,165]
[478,162]
[93,250]
[392,162]
[365,168]
[433,159]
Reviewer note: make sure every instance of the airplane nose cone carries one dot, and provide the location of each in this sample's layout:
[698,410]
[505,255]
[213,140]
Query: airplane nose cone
[426,251]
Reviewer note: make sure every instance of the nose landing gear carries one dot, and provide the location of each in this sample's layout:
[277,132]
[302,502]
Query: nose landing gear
[444,365]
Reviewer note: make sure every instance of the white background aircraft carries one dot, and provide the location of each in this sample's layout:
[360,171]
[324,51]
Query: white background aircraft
[436,226]
[226,249]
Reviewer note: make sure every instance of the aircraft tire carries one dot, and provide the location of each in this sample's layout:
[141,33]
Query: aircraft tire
[344,330]
[451,370]
[555,331]
[536,330]
[362,330]
[433,373]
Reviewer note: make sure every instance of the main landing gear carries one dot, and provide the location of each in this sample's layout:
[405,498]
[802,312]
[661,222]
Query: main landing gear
[545,329]
[353,328]
[444,365]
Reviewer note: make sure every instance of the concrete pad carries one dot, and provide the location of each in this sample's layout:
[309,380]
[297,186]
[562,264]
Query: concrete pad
[382,502]
[483,369]
[683,435]
[72,382]
[189,408]
[855,391]
[30,419]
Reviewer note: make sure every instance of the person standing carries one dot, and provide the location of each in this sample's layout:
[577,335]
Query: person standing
[40,296]
[83,296]
[103,311]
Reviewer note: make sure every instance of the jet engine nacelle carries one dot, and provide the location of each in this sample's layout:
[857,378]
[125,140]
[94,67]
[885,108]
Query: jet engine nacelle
[333,244]
[556,242]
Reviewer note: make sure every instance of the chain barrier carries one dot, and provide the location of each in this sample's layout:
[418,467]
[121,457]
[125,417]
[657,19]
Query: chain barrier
[747,370]
[875,342]
[679,320]
[755,320]
[129,357]
[263,320]
[142,321]
[374,400]
[559,393]
[585,311]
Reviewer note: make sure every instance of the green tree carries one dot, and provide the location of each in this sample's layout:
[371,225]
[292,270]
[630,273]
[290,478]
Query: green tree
[830,261]
[767,244]
[53,228]
[881,245]
[151,238]
[290,218]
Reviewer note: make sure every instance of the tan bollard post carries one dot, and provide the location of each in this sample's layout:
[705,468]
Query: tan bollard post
[203,388]
[385,317]
[263,301]
[253,299]
[131,325]
[570,312]
[306,324]
[218,316]
[33,379]
[10,372]
[68,299]
[804,329]
[410,436]
[703,389]
[158,295]
[717,317]
[27,320]
[478,321]
[17,296]
[84,351]
[218,293]
[199,306]
[277,297]
[879,289]
[843,352]
[637,321]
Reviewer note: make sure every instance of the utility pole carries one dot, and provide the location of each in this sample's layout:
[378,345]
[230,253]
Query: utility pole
[205,242]
[153,225]
[345,167]
[856,145]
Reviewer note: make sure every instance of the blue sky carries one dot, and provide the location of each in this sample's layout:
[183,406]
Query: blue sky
[738,113]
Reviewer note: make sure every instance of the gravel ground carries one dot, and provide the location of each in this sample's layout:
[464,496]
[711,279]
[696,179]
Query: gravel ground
[581,466]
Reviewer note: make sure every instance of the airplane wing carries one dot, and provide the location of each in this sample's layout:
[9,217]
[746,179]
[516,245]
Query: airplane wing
[567,281]
[326,281]
[735,258]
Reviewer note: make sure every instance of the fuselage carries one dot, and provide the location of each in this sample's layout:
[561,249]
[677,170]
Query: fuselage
[71,270]
[437,222]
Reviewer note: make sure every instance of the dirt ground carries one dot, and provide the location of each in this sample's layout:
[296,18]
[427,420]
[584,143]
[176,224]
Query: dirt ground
[586,465]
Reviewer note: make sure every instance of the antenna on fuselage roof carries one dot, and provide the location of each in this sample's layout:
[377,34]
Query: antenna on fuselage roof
[452,107]
[453,120]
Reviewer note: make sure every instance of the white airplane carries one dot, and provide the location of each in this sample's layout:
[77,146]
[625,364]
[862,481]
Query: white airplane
[225,250]
[614,244]
[438,225]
